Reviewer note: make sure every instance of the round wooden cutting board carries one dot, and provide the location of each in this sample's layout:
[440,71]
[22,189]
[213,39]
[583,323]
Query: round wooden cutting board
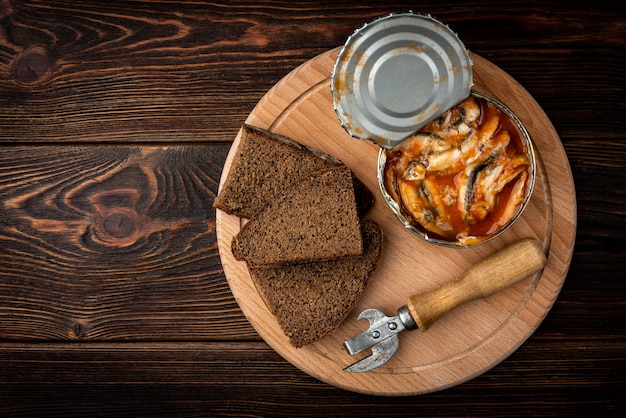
[469,340]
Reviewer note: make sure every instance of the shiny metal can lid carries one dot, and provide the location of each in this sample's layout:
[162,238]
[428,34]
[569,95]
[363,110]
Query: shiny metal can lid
[396,74]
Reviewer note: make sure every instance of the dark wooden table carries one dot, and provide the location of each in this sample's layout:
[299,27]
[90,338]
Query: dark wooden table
[115,121]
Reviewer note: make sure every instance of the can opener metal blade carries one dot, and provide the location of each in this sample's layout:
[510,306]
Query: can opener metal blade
[492,274]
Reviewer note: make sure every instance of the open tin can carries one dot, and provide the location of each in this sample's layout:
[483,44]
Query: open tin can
[394,81]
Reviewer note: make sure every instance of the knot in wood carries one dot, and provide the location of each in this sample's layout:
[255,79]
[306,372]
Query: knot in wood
[118,225]
[31,66]
[80,330]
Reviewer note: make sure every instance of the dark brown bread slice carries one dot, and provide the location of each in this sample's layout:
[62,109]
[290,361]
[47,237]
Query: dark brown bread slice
[311,300]
[316,219]
[266,164]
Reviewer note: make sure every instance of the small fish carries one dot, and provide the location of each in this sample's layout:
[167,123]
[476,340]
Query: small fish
[475,147]
[492,180]
[518,194]
[486,168]
[457,123]
[424,204]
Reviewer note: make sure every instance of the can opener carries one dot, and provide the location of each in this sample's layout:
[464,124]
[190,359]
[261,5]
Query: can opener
[492,274]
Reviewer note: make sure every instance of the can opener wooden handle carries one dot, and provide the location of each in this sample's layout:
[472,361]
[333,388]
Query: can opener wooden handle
[492,274]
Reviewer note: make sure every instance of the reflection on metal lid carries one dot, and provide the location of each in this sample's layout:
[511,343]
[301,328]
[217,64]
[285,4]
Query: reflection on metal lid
[396,74]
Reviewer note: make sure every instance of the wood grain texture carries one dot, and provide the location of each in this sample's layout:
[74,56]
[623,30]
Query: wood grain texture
[108,242]
[95,75]
[144,71]
[235,379]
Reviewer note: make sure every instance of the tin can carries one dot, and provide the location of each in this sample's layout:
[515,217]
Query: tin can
[399,208]
[396,74]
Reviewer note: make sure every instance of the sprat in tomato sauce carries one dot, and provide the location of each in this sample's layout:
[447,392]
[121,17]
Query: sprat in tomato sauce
[464,175]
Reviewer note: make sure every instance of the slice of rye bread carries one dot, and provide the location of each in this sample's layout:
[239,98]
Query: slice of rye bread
[316,219]
[266,164]
[311,300]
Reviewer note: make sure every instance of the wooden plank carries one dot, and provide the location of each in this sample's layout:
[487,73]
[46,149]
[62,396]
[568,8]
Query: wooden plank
[139,72]
[113,242]
[546,376]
